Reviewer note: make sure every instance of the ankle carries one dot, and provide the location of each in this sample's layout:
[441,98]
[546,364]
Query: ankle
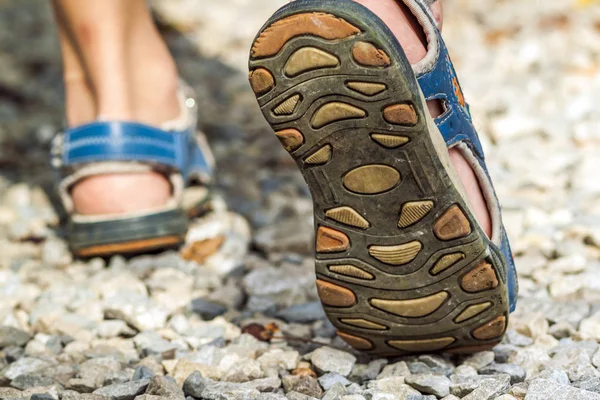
[155,88]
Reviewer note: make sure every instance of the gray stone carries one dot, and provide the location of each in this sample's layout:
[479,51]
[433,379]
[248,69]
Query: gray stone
[165,387]
[419,367]
[370,371]
[438,364]
[517,339]
[397,369]
[195,384]
[591,384]
[302,384]
[480,360]
[142,372]
[328,380]
[335,392]
[544,389]
[151,343]
[10,336]
[517,374]
[326,359]
[124,391]
[208,310]
[24,366]
[229,391]
[24,382]
[490,388]
[503,352]
[42,396]
[299,396]
[437,385]
[302,313]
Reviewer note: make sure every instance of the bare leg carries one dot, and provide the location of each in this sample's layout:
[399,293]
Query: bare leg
[410,35]
[116,67]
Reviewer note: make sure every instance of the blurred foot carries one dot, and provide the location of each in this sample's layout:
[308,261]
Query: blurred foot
[116,67]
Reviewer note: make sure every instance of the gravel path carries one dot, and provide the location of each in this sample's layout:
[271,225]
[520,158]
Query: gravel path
[234,315]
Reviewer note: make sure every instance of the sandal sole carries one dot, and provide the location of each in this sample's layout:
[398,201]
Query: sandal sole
[402,265]
[133,235]
[136,246]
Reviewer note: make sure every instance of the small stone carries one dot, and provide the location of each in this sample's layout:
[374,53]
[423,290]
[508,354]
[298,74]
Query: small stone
[437,385]
[515,338]
[503,352]
[490,388]
[10,336]
[24,382]
[367,372]
[42,396]
[561,330]
[302,313]
[544,389]
[326,359]
[142,372]
[328,380]
[302,384]
[165,387]
[335,392]
[554,374]
[480,360]
[195,384]
[392,386]
[279,358]
[124,391]
[397,369]
[151,343]
[206,309]
[25,365]
[517,374]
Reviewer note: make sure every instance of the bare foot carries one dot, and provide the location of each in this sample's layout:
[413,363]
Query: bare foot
[412,39]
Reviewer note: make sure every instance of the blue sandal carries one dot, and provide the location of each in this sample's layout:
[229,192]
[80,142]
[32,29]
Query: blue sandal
[402,264]
[176,150]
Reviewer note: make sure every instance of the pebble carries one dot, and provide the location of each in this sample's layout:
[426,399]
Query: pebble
[124,391]
[332,378]
[430,384]
[544,389]
[326,359]
[11,336]
[206,309]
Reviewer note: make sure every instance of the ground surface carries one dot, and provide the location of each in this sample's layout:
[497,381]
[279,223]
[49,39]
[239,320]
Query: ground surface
[115,327]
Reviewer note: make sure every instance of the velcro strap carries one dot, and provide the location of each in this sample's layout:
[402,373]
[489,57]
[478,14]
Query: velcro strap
[125,141]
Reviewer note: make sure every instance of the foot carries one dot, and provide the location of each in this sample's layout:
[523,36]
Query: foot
[402,264]
[410,34]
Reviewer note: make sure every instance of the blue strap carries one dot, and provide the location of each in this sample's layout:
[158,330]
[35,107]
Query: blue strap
[441,83]
[130,141]
[456,125]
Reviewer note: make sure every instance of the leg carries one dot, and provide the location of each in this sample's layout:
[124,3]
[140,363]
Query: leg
[410,35]
[118,68]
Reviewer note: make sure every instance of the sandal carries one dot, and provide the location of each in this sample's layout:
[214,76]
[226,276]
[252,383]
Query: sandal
[402,264]
[176,150]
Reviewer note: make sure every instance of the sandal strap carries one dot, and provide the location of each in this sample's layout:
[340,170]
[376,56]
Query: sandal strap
[130,141]
[438,81]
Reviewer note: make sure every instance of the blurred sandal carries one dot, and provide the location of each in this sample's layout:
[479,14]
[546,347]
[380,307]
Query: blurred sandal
[176,150]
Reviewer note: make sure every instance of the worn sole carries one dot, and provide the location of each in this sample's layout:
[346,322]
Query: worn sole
[402,265]
[135,246]
[132,235]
